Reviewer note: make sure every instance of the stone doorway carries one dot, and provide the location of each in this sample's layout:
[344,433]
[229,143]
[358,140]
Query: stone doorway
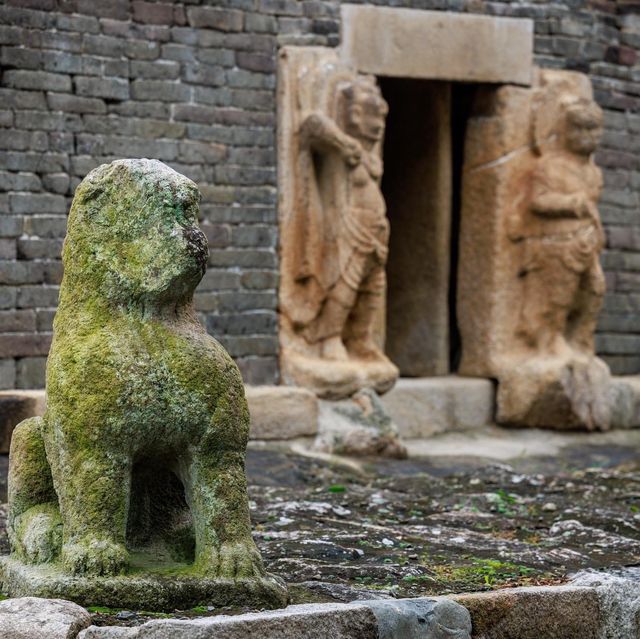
[423,157]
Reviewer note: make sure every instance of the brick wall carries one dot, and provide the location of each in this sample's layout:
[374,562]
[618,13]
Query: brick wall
[193,84]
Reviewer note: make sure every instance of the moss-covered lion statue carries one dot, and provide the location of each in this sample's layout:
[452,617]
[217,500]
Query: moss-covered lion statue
[140,453]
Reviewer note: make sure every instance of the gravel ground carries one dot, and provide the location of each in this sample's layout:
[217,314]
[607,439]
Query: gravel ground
[337,531]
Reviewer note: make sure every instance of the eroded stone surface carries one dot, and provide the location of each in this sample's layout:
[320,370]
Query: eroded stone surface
[282,412]
[530,281]
[138,462]
[33,618]
[358,426]
[334,231]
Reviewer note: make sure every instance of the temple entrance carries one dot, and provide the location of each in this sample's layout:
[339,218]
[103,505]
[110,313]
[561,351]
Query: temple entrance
[423,156]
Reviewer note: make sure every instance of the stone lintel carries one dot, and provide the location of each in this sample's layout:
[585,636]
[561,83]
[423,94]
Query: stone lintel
[437,45]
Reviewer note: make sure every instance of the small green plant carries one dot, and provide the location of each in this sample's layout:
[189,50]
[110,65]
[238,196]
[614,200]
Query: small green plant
[337,488]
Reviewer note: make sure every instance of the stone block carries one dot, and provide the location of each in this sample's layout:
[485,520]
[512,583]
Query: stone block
[33,618]
[569,612]
[282,412]
[625,401]
[16,406]
[436,45]
[36,80]
[407,618]
[422,407]
[7,375]
[215,18]
[110,88]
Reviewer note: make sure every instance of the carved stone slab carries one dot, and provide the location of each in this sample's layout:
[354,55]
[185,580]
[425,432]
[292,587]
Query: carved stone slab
[530,282]
[333,226]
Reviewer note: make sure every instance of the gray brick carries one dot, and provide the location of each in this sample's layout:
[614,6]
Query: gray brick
[260,23]
[8,249]
[8,296]
[75,104]
[142,49]
[33,203]
[178,52]
[250,345]
[17,321]
[198,73]
[36,248]
[6,118]
[136,147]
[12,272]
[30,372]
[249,80]
[39,80]
[7,374]
[24,141]
[246,301]
[153,12]
[10,181]
[201,152]
[217,280]
[64,40]
[62,62]
[56,182]
[47,121]
[281,7]
[103,45]
[13,99]
[215,18]
[83,24]
[26,18]
[98,66]
[21,58]
[118,9]
[259,370]
[44,320]
[259,279]
[256,61]
[37,297]
[160,69]
[111,88]
[162,90]
[11,225]
[216,57]
[252,323]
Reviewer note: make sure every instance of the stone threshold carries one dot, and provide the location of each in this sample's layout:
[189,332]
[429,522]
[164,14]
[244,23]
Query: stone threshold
[594,605]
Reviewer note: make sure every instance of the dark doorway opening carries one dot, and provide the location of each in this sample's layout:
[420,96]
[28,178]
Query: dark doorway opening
[423,157]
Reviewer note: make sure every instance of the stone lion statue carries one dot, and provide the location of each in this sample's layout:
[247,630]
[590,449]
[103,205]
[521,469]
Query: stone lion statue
[143,441]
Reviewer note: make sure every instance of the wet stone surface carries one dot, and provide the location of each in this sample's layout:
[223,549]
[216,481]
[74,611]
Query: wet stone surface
[430,526]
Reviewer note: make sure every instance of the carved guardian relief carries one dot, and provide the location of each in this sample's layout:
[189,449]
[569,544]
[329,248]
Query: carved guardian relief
[333,225]
[531,239]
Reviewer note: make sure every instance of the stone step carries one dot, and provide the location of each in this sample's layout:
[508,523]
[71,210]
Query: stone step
[421,407]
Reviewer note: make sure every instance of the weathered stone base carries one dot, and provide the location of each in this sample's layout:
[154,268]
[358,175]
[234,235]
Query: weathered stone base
[558,393]
[425,406]
[331,379]
[151,591]
[358,426]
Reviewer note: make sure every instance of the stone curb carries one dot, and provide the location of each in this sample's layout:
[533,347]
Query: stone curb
[277,412]
[595,605]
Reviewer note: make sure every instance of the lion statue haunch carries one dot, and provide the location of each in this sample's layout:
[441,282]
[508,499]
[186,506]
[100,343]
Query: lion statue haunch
[141,449]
